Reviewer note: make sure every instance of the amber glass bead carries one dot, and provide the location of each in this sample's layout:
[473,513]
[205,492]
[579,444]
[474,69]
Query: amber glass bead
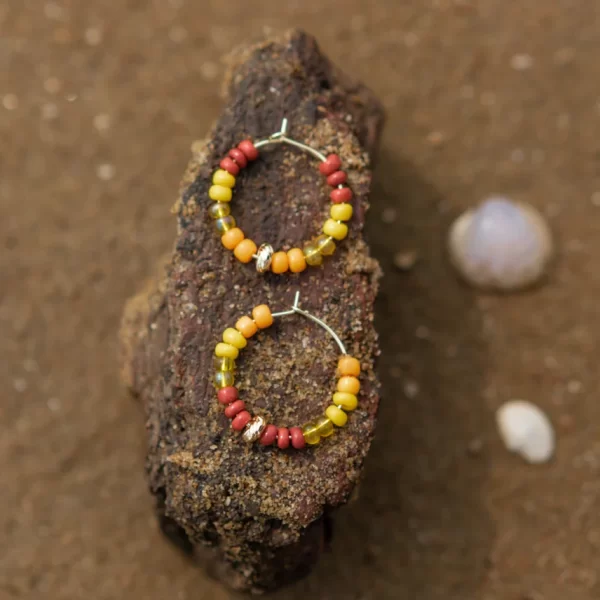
[324,426]
[235,338]
[337,231]
[224,224]
[222,177]
[245,250]
[232,238]
[348,365]
[226,350]
[341,212]
[312,255]
[325,244]
[345,400]
[246,326]
[220,193]
[348,384]
[219,210]
[224,363]
[310,433]
[280,262]
[297,260]
[337,415]
[262,316]
[224,379]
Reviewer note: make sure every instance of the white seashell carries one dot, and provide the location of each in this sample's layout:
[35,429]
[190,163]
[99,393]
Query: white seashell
[526,430]
[254,429]
[264,256]
[501,244]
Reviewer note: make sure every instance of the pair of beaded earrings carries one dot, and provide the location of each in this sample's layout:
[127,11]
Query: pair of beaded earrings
[344,399]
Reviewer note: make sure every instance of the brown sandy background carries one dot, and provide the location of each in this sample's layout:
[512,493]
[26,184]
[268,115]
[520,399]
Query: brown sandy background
[99,103]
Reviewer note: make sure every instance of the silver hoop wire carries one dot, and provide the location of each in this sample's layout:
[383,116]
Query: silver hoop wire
[296,309]
[280,137]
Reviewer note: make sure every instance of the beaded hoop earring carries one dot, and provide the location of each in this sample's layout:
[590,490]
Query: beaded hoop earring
[245,250]
[256,428]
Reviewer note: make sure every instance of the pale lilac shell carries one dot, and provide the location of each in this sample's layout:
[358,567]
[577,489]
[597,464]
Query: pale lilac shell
[501,245]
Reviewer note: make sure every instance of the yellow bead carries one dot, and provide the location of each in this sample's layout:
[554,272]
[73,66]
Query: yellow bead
[235,338]
[338,231]
[225,224]
[312,255]
[226,350]
[219,210]
[325,244]
[345,400]
[348,365]
[337,415]
[222,177]
[311,435]
[223,363]
[220,193]
[341,212]
[324,426]
[224,379]
[348,384]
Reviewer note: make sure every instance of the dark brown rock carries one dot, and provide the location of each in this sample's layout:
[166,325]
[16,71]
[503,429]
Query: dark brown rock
[257,516]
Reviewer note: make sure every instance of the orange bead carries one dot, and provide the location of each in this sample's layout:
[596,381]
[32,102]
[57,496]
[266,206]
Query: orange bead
[297,260]
[348,385]
[262,316]
[246,326]
[245,250]
[348,365]
[280,262]
[232,238]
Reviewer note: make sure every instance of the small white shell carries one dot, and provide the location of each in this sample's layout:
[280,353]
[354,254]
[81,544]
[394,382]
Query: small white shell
[526,430]
[264,256]
[501,244]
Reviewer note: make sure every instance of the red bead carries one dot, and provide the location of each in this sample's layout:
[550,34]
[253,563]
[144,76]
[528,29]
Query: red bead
[297,438]
[239,157]
[227,395]
[283,437]
[234,408]
[228,165]
[331,164]
[269,435]
[337,178]
[341,195]
[249,150]
[241,420]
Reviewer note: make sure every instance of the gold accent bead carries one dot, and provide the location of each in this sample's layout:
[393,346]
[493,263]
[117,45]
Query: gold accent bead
[254,429]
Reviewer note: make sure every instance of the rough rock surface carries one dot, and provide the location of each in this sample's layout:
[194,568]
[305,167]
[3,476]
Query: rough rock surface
[258,516]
